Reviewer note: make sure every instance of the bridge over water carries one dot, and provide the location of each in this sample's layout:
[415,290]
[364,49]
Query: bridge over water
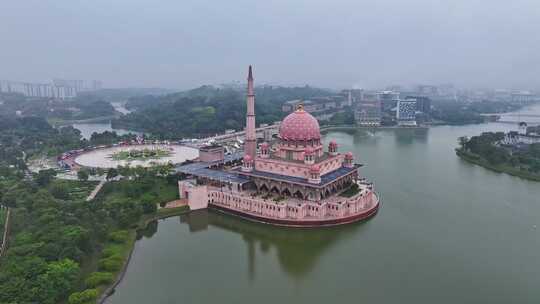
[511,115]
[514,118]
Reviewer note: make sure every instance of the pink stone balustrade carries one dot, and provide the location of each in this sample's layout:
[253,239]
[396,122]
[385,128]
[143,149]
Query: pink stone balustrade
[332,208]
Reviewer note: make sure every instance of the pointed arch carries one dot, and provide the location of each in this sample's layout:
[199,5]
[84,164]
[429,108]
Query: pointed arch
[286,192]
[263,188]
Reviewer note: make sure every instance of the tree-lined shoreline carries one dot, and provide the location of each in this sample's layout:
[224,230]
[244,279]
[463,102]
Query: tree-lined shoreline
[484,150]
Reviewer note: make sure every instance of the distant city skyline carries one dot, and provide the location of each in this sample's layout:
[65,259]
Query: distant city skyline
[333,44]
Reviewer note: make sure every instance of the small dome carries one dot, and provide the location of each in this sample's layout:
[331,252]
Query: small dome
[264,145]
[247,158]
[299,125]
[315,169]
[349,155]
[333,144]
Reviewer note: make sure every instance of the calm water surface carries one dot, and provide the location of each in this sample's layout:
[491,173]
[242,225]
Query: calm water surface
[447,232]
[88,128]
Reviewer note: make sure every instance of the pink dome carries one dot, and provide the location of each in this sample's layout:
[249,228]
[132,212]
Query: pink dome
[264,145]
[349,155]
[247,158]
[333,144]
[299,125]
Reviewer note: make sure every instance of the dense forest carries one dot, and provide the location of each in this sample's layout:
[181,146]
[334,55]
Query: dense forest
[82,107]
[23,137]
[63,249]
[207,110]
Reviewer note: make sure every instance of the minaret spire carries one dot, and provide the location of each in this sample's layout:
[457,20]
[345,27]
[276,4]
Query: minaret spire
[250,146]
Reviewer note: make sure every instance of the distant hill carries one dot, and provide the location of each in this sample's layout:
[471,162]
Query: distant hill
[122,94]
[207,110]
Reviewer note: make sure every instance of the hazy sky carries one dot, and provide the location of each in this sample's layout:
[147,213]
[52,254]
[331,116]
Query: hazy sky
[333,43]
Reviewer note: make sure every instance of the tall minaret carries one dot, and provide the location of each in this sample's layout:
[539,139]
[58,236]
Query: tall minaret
[250,146]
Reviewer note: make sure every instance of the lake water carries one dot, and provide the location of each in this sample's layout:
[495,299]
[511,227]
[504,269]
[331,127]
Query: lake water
[88,128]
[447,232]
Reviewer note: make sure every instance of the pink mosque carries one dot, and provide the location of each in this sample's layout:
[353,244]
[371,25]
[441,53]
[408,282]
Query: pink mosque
[293,181]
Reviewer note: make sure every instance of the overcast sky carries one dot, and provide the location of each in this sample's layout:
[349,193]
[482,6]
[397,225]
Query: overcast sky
[333,43]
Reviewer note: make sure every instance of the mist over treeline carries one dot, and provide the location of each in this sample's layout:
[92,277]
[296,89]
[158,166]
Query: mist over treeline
[335,44]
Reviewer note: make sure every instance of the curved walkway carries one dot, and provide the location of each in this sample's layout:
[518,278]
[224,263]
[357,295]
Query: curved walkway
[95,191]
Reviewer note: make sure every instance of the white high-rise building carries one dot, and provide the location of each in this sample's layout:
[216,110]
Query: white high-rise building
[406,112]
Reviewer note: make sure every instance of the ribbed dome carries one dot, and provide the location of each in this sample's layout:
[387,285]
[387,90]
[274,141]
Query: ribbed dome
[299,125]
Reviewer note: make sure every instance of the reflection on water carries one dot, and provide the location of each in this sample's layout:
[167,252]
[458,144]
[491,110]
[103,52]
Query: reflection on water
[403,136]
[297,250]
[148,231]
[88,128]
[407,136]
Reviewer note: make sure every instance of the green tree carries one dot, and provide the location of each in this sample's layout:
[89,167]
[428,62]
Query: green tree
[149,206]
[112,173]
[60,191]
[125,171]
[82,175]
[57,281]
[44,177]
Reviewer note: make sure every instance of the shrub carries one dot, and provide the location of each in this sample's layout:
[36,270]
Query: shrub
[111,250]
[98,278]
[149,207]
[112,263]
[351,191]
[119,236]
[84,297]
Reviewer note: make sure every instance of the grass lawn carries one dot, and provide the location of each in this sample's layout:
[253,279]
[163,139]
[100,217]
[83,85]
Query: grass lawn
[143,154]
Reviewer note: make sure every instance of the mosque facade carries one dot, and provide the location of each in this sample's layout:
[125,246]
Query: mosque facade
[295,181]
